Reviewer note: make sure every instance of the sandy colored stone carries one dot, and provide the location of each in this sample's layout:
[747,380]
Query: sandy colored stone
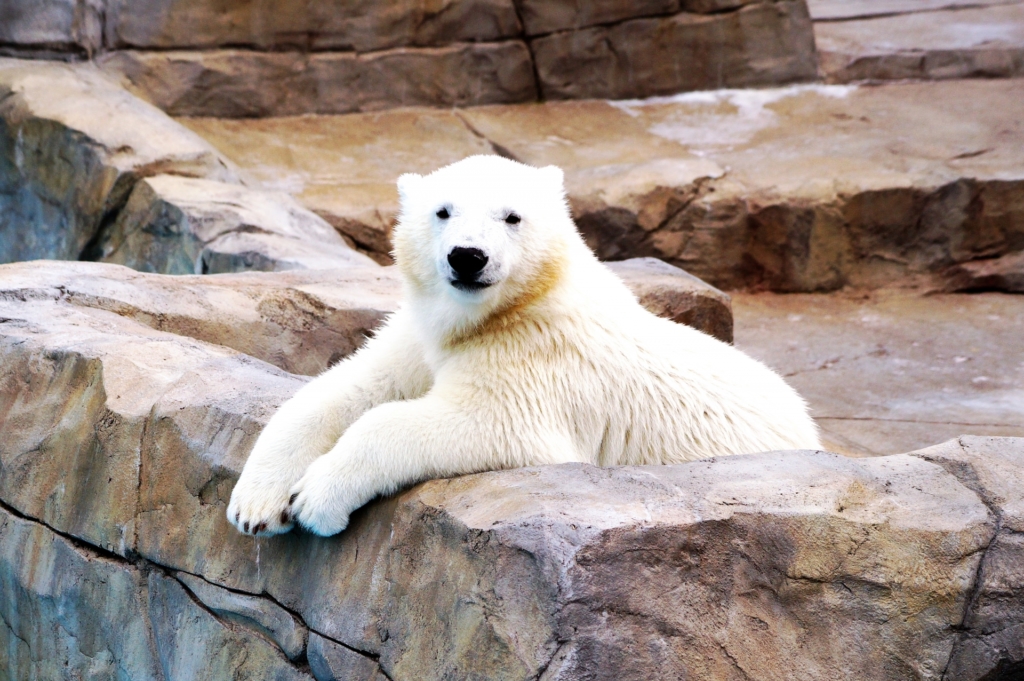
[991,645]
[236,83]
[894,371]
[986,42]
[64,167]
[363,25]
[760,44]
[344,168]
[541,17]
[179,225]
[801,188]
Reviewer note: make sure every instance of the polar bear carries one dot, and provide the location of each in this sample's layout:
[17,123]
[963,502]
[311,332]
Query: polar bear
[513,346]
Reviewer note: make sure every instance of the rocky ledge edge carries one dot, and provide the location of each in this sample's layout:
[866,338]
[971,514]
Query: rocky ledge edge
[126,421]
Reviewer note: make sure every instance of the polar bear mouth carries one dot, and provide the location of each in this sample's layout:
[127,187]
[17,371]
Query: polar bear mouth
[469,286]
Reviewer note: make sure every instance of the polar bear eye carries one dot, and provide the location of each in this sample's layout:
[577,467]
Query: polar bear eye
[512,219]
[443,214]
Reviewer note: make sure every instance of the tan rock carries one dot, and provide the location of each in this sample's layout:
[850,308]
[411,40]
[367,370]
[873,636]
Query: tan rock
[998,274]
[982,42]
[990,644]
[64,167]
[363,25]
[234,83]
[541,17]
[760,44]
[178,225]
[824,10]
[801,565]
[670,292]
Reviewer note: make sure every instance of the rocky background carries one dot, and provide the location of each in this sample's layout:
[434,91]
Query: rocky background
[130,398]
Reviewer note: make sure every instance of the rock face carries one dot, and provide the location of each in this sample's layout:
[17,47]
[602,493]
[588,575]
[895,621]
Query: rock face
[64,168]
[240,59]
[805,188]
[122,443]
[985,42]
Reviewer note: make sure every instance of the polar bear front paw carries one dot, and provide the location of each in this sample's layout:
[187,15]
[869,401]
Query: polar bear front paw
[260,509]
[321,501]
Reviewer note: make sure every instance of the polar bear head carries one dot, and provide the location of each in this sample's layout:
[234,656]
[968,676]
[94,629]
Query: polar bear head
[482,235]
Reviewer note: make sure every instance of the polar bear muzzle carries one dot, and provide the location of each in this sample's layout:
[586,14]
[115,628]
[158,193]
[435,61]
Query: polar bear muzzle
[467,264]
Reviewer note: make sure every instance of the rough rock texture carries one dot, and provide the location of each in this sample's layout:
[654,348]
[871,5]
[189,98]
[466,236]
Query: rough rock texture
[803,188]
[243,83]
[64,169]
[998,274]
[304,321]
[178,225]
[74,26]
[991,644]
[363,25]
[759,44]
[801,565]
[985,42]
[891,371]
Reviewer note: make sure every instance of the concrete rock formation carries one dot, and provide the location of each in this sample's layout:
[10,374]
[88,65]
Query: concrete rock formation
[796,564]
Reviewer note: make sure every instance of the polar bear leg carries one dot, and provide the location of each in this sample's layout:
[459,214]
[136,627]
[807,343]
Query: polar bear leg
[401,443]
[389,367]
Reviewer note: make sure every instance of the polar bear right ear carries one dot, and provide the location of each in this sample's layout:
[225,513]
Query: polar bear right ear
[407,186]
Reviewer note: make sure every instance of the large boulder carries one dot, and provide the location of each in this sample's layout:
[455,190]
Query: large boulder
[65,170]
[122,444]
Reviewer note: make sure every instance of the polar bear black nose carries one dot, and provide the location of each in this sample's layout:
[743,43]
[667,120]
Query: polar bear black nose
[467,262]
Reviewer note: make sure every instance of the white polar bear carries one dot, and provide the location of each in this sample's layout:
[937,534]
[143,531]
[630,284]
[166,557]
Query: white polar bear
[513,347]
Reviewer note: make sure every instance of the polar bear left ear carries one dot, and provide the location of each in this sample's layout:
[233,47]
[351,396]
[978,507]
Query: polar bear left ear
[554,178]
[407,186]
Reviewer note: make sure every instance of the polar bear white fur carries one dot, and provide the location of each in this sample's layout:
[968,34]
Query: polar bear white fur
[532,353]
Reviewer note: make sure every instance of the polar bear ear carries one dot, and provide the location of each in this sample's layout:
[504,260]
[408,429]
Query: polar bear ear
[553,177]
[408,185]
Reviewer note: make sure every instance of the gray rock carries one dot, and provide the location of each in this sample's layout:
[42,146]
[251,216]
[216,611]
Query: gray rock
[233,83]
[179,225]
[68,611]
[261,614]
[990,645]
[64,168]
[58,25]
[760,44]
[332,662]
[194,644]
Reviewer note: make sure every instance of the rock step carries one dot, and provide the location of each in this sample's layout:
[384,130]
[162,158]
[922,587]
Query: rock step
[237,58]
[959,42]
[803,188]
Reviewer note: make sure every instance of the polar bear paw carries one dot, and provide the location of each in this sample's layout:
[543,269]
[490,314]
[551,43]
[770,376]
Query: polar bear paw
[260,509]
[321,501]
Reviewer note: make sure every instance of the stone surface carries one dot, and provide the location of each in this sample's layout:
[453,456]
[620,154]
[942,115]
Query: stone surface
[760,44]
[64,168]
[998,274]
[268,618]
[363,25]
[330,661]
[894,371]
[833,10]
[757,567]
[866,186]
[235,83]
[985,42]
[674,294]
[992,643]
[52,25]
[179,225]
